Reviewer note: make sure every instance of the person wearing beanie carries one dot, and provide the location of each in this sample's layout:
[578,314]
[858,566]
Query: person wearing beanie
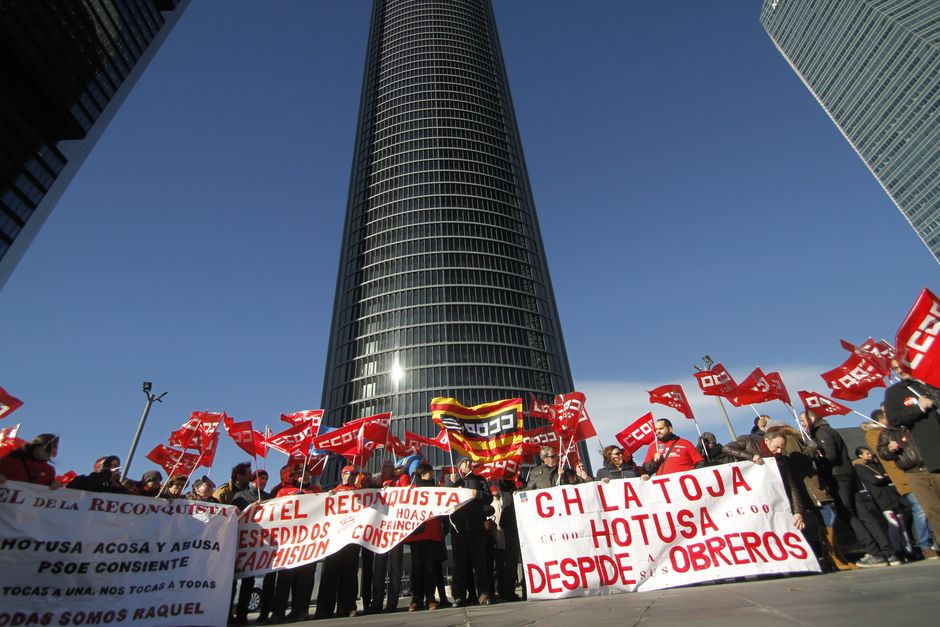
[468,541]
[150,483]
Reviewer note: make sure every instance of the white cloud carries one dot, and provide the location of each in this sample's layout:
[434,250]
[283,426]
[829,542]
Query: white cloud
[615,404]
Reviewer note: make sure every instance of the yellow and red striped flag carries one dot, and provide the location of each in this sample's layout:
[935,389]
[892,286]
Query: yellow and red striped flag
[485,433]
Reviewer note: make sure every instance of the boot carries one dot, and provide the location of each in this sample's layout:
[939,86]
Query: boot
[833,556]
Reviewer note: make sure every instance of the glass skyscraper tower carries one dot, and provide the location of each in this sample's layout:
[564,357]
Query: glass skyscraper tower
[443,287]
[874,66]
[65,68]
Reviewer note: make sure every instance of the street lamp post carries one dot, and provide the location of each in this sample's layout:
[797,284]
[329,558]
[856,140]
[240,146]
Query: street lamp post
[148,386]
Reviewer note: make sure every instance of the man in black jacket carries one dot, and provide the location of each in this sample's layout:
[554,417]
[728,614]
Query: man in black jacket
[911,407]
[469,538]
[883,498]
[836,474]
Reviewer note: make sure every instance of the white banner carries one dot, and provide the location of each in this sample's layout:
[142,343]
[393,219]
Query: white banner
[69,557]
[295,530]
[628,535]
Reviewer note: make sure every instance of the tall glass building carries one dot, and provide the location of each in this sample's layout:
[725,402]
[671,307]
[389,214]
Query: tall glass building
[443,286]
[874,66]
[65,68]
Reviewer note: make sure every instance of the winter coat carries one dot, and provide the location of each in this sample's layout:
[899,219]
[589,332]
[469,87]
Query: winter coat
[898,478]
[18,466]
[101,481]
[542,476]
[835,460]
[681,456]
[746,447]
[902,410]
[908,457]
[800,462]
[624,472]
[873,476]
[470,516]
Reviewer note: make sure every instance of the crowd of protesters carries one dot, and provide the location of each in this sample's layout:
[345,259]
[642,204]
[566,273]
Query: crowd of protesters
[887,493]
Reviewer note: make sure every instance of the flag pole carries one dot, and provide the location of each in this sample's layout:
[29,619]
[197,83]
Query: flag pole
[868,418]
[796,418]
[704,448]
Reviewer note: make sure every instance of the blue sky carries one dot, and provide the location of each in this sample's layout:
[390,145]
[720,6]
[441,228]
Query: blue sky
[693,197]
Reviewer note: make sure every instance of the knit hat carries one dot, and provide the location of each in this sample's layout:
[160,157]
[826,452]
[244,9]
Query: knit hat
[348,469]
[151,475]
[708,435]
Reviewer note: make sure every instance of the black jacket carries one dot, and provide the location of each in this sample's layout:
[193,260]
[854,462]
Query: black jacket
[470,516]
[625,472]
[835,460]
[903,411]
[248,496]
[906,458]
[873,476]
[101,481]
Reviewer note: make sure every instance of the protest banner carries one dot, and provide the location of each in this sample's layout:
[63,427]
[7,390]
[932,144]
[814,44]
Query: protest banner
[70,557]
[295,530]
[672,530]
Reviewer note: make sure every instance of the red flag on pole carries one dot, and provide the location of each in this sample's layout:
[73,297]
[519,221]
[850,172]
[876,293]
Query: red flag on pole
[313,416]
[568,411]
[173,461]
[245,437]
[917,346]
[715,382]
[207,454]
[822,405]
[534,439]
[8,440]
[294,440]
[672,396]
[640,433]
[8,403]
[342,441]
[777,387]
[878,354]
[853,379]
[754,389]
[538,409]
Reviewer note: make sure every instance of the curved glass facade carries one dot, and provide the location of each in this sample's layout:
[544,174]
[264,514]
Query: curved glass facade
[874,66]
[443,287]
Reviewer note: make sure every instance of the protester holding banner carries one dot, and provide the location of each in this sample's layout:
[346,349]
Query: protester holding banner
[545,475]
[771,445]
[338,585]
[202,490]
[670,453]
[711,450]
[422,542]
[295,583]
[102,478]
[468,540]
[367,556]
[386,565]
[30,462]
[507,569]
[253,493]
[150,484]
[241,475]
[616,467]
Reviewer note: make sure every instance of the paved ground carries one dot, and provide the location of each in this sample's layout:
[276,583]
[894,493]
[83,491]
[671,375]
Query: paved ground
[902,595]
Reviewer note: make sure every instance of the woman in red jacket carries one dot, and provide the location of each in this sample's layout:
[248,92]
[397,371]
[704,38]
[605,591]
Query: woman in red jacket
[30,463]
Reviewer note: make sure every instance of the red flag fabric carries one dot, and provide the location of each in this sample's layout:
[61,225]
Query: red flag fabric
[197,431]
[917,346]
[534,439]
[754,389]
[173,461]
[343,441]
[822,405]
[8,440]
[503,469]
[672,396]
[8,403]
[443,440]
[777,387]
[245,437]
[207,455]
[66,478]
[415,441]
[853,379]
[641,432]
[715,382]
[403,449]
[568,409]
[878,354]
[294,440]
[314,416]
[375,428]
[538,409]
[585,428]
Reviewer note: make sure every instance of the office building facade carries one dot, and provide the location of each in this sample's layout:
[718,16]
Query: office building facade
[65,68]
[874,66]
[443,286]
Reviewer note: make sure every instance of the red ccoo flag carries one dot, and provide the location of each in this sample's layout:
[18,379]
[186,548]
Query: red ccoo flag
[878,354]
[777,387]
[313,416]
[822,405]
[672,396]
[917,347]
[173,461]
[754,389]
[8,403]
[853,379]
[245,437]
[638,434]
[715,382]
